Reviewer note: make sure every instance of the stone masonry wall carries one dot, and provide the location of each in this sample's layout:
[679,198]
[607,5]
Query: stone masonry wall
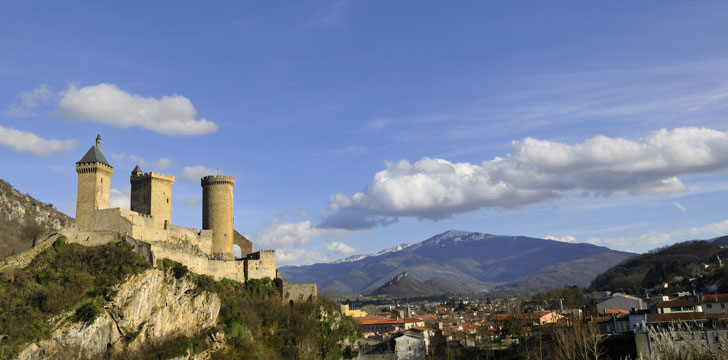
[297,292]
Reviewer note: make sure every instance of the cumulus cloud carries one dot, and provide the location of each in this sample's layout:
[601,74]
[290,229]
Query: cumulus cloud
[28,101]
[193,174]
[294,244]
[566,238]
[162,163]
[535,171]
[106,103]
[278,234]
[340,248]
[30,142]
[120,199]
[300,257]
[649,240]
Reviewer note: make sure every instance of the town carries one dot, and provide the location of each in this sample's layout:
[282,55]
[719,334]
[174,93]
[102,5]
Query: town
[568,322]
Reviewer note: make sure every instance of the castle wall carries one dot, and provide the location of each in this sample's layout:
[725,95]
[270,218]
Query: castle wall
[217,269]
[203,239]
[261,264]
[93,192]
[297,292]
[217,212]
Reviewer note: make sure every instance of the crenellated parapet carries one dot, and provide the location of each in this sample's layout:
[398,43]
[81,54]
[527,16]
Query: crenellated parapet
[88,168]
[151,174]
[217,180]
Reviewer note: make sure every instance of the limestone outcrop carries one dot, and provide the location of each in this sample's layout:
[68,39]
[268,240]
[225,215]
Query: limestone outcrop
[150,306]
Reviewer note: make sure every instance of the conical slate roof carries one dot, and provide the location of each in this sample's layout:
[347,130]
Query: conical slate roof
[136,169]
[94,155]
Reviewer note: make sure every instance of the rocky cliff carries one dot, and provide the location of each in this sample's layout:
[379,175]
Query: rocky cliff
[23,219]
[150,306]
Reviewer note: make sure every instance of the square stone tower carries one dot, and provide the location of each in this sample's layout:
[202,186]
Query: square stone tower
[94,186]
[151,194]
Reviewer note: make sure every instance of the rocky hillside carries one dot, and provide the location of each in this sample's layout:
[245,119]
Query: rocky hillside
[403,285]
[23,219]
[76,302]
[476,261]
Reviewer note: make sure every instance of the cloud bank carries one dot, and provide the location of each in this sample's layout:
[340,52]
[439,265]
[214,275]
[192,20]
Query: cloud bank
[30,142]
[193,174]
[535,171]
[106,103]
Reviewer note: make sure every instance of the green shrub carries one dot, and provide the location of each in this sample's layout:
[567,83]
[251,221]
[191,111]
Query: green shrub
[87,312]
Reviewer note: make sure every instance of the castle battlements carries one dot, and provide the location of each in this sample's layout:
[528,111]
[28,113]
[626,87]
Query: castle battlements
[152,174]
[217,180]
[85,168]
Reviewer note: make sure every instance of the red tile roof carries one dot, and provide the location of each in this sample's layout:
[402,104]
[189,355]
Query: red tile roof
[676,303]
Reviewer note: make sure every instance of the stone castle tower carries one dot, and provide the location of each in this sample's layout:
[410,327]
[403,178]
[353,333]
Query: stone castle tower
[94,185]
[217,212]
[151,194]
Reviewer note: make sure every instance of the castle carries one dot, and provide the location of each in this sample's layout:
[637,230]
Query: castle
[208,251]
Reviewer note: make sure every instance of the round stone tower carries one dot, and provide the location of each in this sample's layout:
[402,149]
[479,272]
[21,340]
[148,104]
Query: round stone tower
[217,213]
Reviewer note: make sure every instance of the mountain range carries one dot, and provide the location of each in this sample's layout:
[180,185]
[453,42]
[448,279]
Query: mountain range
[470,260]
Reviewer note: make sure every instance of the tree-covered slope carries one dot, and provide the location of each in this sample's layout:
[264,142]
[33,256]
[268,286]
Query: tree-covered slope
[681,260]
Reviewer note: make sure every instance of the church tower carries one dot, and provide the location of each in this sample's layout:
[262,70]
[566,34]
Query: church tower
[217,213]
[94,185]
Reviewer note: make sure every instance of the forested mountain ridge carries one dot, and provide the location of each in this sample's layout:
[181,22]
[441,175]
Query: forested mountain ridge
[672,264]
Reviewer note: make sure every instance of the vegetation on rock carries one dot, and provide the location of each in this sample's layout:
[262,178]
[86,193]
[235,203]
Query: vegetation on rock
[60,279]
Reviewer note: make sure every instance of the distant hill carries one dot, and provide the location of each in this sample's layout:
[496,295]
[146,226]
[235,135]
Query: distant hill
[23,218]
[445,286]
[476,261]
[403,285]
[661,265]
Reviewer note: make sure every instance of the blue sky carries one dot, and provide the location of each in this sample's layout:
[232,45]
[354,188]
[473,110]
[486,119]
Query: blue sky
[352,126]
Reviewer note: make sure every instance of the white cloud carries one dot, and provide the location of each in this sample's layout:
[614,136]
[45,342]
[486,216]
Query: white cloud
[30,142]
[654,239]
[106,103]
[718,228]
[535,171]
[293,242]
[680,206]
[162,163]
[340,248]
[121,199]
[277,234]
[566,238]
[27,101]
[299,257]
[193,174]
